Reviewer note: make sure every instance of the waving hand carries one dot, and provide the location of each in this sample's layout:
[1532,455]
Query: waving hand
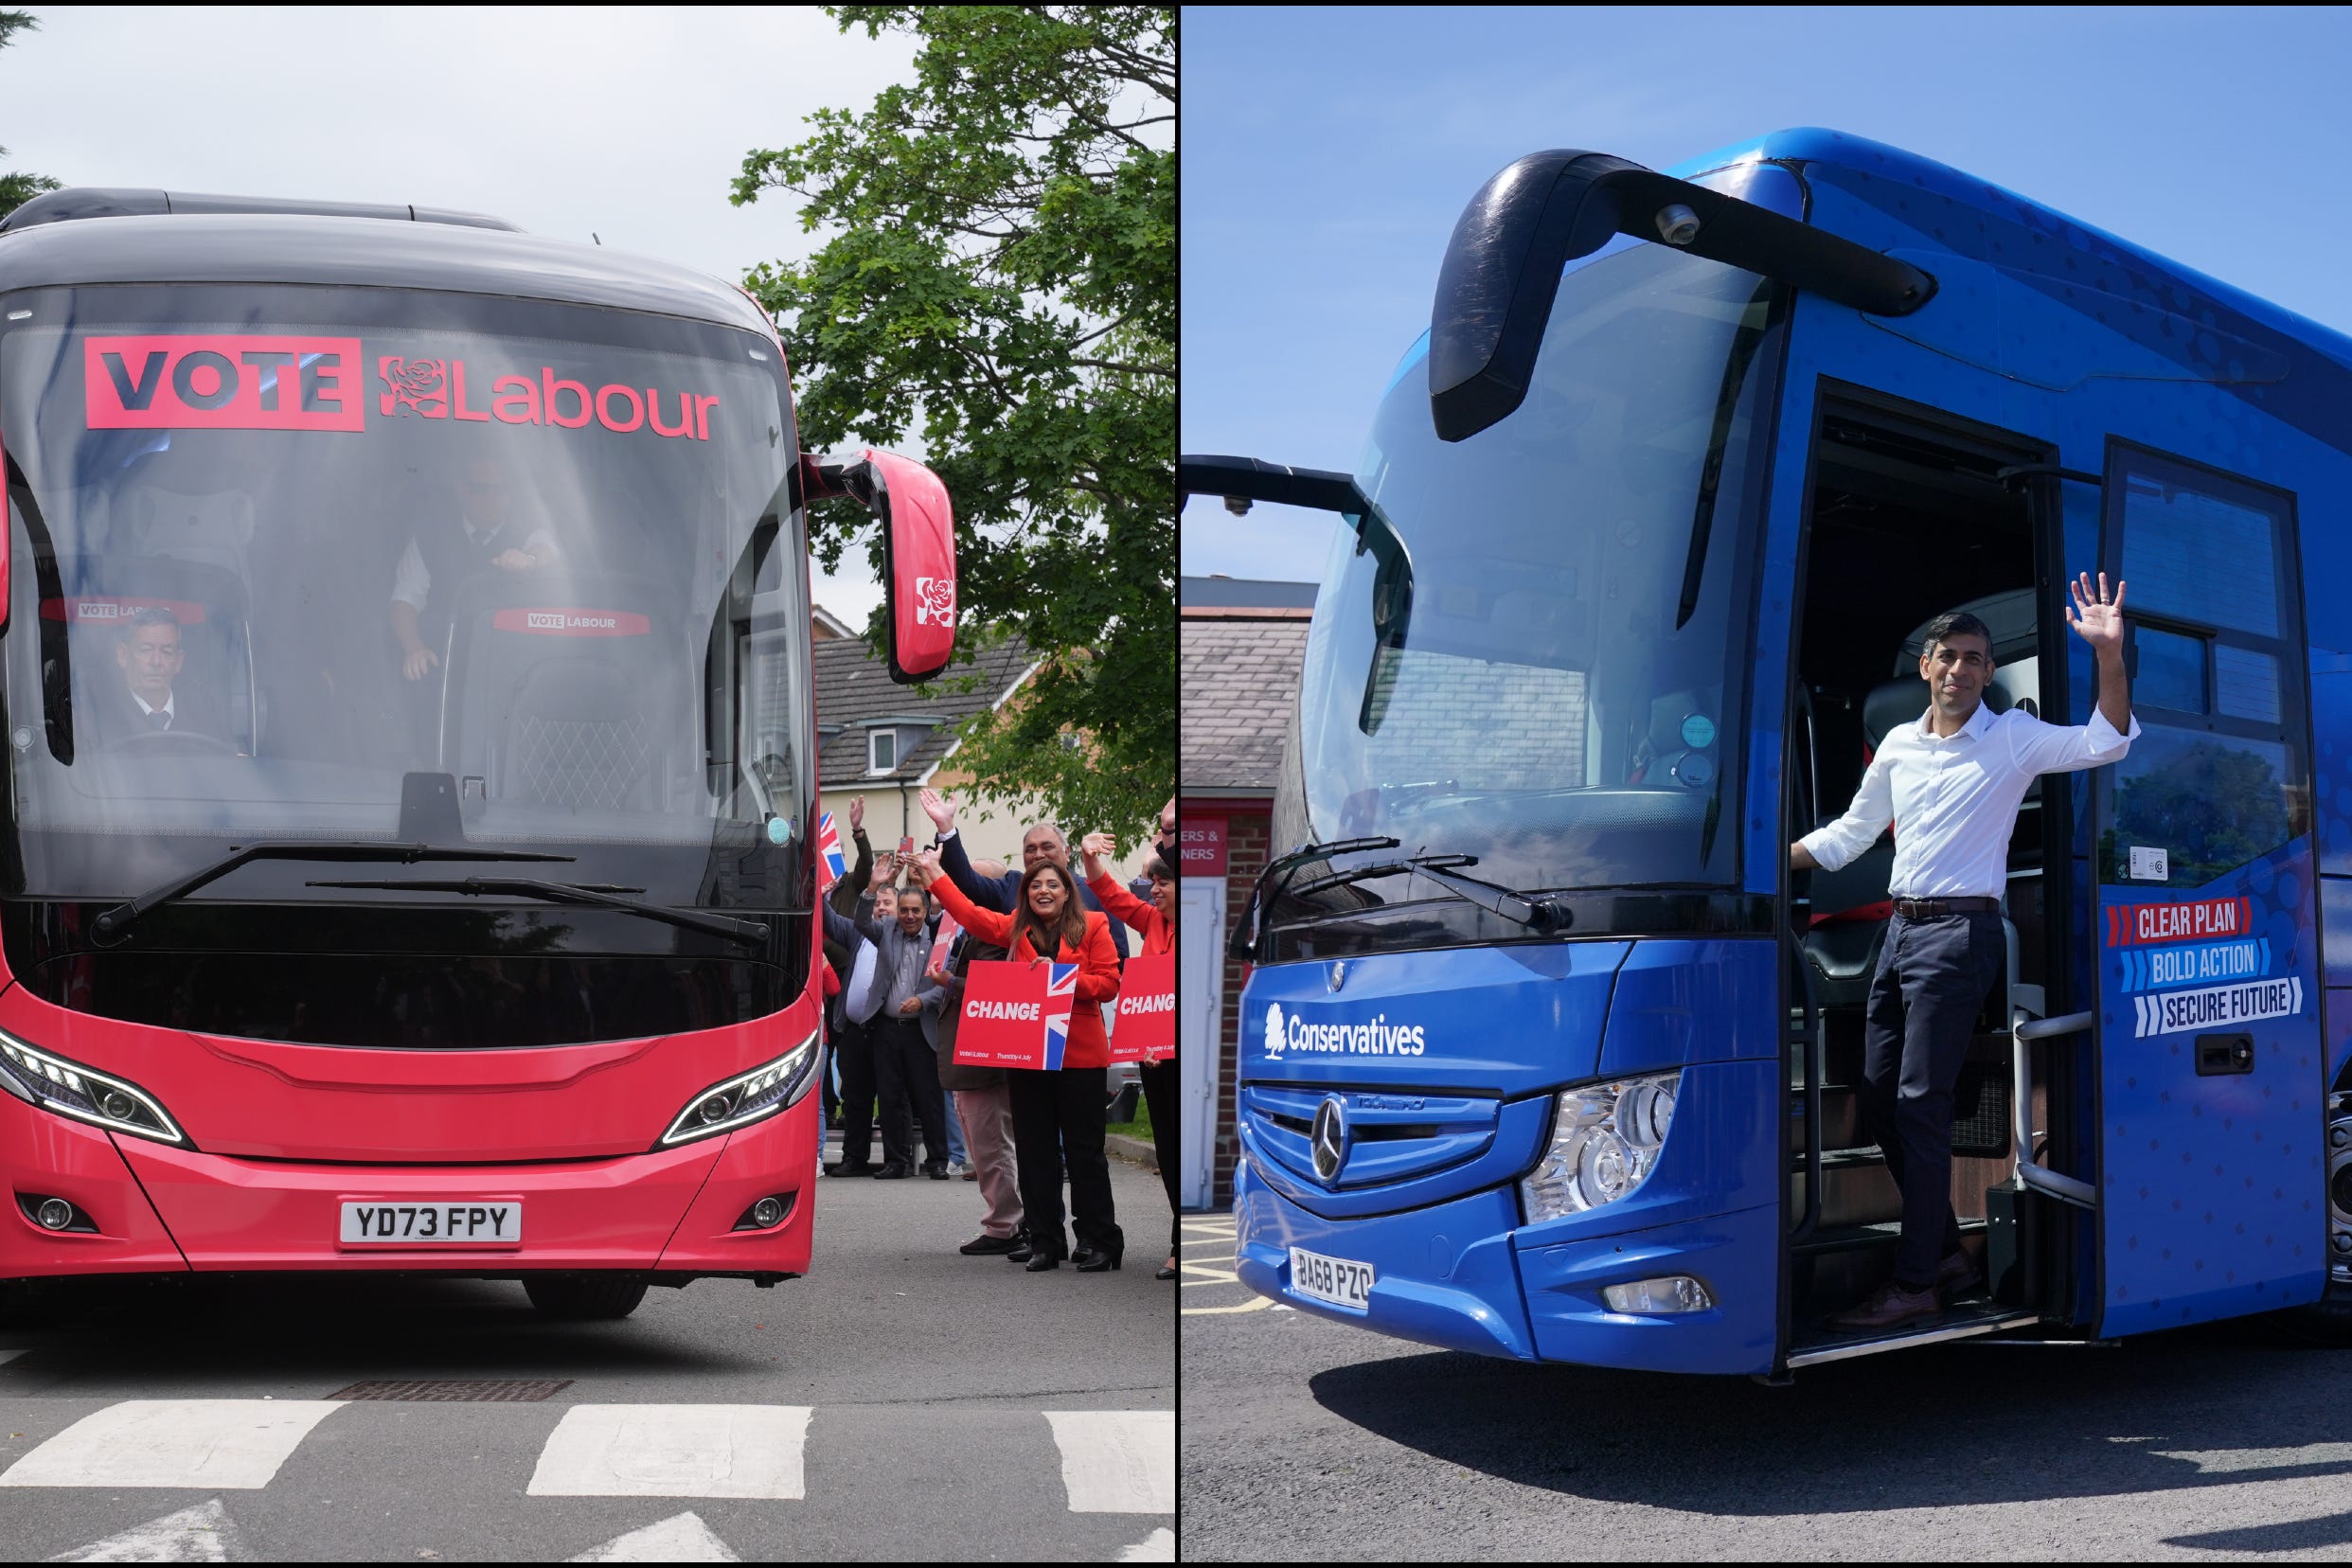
[2095,620]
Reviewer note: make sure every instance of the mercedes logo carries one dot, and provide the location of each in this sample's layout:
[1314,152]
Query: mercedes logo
[1336,975]
[1330,1136]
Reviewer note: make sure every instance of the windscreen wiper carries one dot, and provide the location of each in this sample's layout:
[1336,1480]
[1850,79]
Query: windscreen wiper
[1537,914]
[1243,942]
[592,895]
[112,923]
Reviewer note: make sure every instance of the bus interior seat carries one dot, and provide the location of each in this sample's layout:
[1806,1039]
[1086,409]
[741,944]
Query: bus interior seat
[214,529]
[556,720]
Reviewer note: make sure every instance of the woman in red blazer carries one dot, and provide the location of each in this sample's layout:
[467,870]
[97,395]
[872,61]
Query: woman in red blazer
[1156,923]
[1057,1115]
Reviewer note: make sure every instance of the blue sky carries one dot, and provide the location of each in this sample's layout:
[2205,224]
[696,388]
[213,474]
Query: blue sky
[1326,154]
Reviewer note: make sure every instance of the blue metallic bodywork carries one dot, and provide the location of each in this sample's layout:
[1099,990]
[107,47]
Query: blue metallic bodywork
[2065,335]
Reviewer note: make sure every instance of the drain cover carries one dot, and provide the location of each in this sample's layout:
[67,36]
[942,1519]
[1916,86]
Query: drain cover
[451,1390]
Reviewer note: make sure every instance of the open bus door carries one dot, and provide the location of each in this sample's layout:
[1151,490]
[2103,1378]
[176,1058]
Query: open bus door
[2210,1067]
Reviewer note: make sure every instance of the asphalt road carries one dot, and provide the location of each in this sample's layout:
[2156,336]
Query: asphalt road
[1307,1438]
[920,1405]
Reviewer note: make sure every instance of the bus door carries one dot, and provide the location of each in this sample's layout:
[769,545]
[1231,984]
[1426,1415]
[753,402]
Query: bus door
[2211,1070]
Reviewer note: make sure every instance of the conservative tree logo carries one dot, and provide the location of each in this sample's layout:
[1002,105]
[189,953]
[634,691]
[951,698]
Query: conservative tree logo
[1274,1038]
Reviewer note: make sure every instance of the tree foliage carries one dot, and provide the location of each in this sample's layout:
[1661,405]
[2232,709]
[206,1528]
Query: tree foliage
[1003,282]
[16,189]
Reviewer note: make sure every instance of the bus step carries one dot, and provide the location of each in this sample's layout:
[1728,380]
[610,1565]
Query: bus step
[1964,1320]
[1839,1238]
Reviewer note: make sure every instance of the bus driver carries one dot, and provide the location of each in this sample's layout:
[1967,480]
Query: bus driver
[1954,781]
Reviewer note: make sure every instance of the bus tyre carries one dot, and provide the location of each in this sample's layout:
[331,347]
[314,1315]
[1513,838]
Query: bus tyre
[2326,1322]
[590,1297]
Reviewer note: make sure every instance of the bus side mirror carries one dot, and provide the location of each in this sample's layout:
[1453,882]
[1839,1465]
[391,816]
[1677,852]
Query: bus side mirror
[918,550]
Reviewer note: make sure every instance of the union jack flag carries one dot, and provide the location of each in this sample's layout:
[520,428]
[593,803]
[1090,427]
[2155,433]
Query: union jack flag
[831,863]
[1060,993]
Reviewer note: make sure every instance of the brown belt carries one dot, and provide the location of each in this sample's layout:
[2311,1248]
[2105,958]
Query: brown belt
[1932,909]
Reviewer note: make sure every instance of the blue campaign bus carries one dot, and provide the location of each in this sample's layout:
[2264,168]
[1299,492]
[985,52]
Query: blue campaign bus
[1546,1054]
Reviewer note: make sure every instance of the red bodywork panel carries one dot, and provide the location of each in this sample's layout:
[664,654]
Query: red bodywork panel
[319,1102]
[283,1135]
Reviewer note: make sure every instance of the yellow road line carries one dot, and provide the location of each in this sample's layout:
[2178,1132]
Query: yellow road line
[1256,1304]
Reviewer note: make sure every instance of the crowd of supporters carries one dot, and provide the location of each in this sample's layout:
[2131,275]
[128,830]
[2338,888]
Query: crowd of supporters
[896,1000]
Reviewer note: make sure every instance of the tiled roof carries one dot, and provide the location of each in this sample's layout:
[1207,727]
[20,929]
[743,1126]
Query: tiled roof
[852,688]
[1239,680]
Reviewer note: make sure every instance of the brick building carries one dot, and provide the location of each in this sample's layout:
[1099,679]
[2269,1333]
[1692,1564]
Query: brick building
[1241,642]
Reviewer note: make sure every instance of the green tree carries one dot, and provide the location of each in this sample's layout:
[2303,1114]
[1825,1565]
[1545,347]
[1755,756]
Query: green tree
[1003,280]
[16,189]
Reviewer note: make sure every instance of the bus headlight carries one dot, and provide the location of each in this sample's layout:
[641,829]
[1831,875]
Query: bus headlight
[1606,1139]
[747,1097]
[50,1081]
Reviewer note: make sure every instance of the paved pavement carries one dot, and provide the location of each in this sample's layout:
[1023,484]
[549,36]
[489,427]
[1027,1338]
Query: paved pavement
[901,1402]
[2207,1444]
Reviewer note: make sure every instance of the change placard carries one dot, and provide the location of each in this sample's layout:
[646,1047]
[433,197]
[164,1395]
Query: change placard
[1016,1014]
[1146,1008]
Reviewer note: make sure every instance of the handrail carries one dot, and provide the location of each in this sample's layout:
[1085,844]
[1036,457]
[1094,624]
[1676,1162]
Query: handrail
[2024,1031]
[1816,1068]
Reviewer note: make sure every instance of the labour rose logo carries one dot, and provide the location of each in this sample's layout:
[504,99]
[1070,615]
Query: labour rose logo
[412,384]
[934,601]
[1273,1029]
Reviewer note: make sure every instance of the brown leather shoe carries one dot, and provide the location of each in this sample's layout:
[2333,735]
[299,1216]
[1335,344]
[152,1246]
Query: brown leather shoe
[1956,1276]
[1890,1308]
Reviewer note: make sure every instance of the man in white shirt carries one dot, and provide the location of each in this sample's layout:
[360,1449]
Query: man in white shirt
[439,557]
[1951,783]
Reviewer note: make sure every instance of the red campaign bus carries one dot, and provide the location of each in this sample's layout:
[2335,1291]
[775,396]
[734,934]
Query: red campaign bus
[411,752]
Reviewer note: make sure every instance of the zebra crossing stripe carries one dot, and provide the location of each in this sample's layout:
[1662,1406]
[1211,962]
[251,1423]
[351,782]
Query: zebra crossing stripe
[215,1444]
[682,1539]
[674,1450]
[1117,1461]
[201,1534]
[1159,1546]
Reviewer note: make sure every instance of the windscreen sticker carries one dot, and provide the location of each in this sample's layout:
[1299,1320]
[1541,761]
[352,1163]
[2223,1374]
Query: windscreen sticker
[217,382]
[211,381]
[573,623]
[83,611]
[438,389]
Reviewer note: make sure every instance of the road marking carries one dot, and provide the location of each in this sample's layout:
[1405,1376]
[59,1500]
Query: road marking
[1117,1461]
[683,1538]
[1159,1546]
[217,1444]
[201,1534]
[674,1450]
[1256,1304]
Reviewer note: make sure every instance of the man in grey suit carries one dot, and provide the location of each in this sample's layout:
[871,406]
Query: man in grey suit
[904,1068]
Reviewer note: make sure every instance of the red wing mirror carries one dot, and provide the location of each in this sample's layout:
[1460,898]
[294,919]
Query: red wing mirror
[918,550]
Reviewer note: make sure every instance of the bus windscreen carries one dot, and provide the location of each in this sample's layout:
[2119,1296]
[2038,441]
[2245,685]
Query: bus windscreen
[279,553]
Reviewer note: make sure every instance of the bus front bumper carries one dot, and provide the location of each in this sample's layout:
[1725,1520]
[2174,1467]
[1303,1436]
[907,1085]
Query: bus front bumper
[158,1209]
[1457,1276]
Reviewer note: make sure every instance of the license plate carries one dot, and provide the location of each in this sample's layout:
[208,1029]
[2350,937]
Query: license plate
[373,1223]
[1332,1279]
